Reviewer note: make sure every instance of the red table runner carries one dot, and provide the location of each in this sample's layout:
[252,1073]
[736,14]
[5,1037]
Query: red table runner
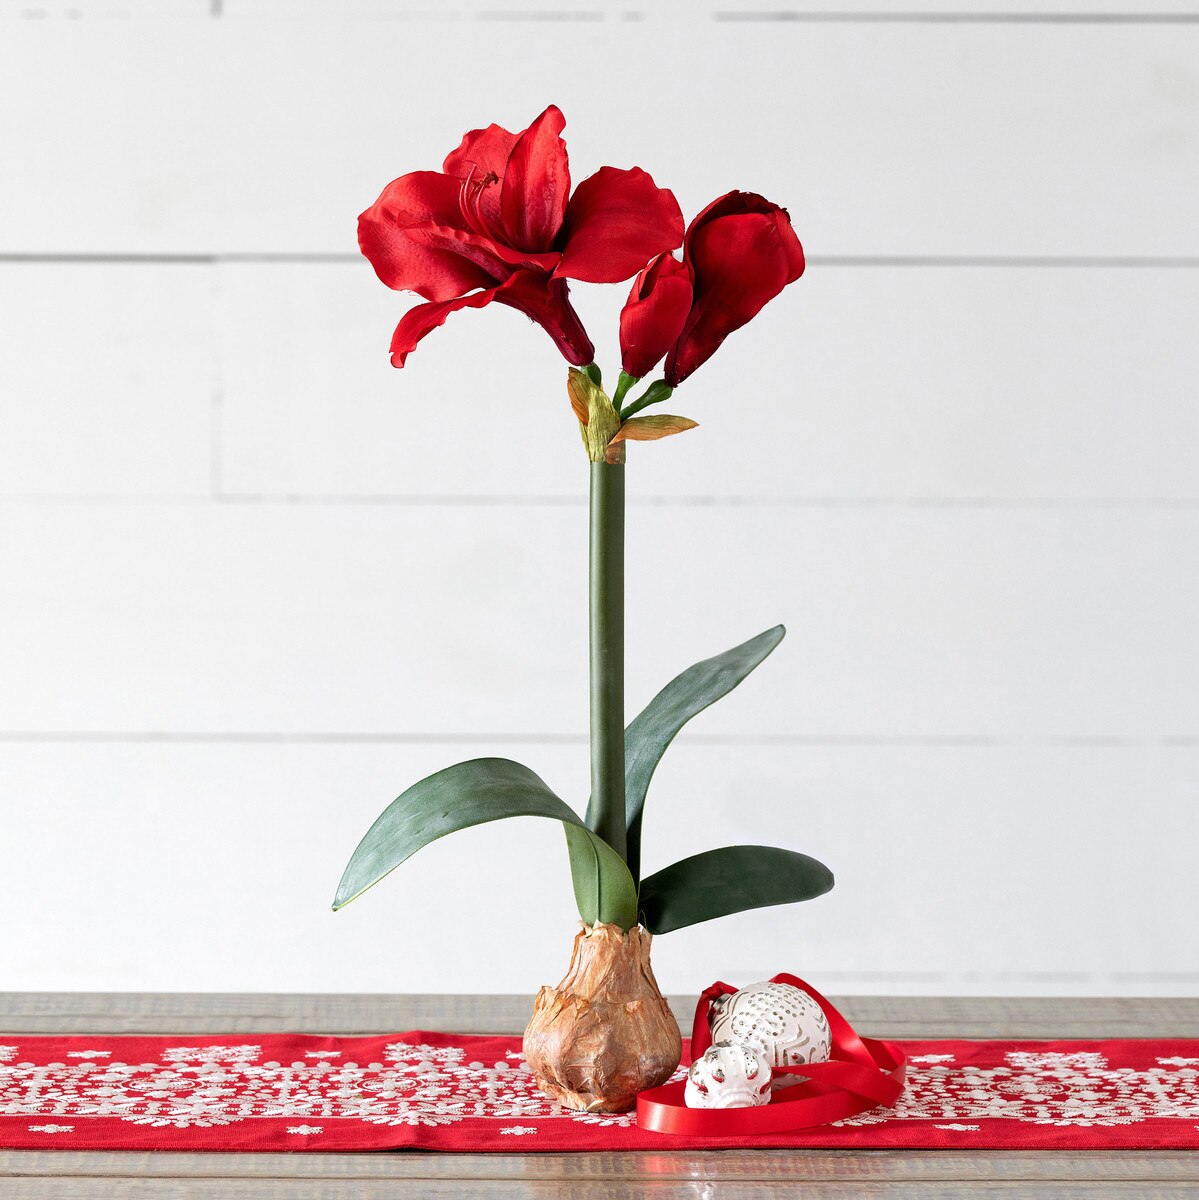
[459,1092]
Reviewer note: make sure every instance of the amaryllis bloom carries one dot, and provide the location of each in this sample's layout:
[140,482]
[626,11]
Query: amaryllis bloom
[741,252]
[498,222]
[654,314]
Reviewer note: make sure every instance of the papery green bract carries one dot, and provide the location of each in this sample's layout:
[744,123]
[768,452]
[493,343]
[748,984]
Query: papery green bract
[654,728]
[729,880]
[474,793]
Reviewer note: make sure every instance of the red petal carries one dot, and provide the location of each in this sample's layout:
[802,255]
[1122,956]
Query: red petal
[424,318]
[536,183]
[491,256]
[749,202]
[742,252]
[387,235]
[534,293]
[483,152]
[615,223]
[654,314]
[547,301]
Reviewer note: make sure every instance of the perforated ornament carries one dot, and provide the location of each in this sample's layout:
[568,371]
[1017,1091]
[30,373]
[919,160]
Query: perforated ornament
[728,1075]
[784,1022]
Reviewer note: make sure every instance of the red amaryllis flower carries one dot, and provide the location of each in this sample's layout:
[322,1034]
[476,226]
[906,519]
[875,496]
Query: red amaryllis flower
[654,314]
[741,251]
[496,224]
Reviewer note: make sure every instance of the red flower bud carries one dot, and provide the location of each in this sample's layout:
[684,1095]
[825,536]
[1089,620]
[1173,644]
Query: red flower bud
[741,251]
[654,314]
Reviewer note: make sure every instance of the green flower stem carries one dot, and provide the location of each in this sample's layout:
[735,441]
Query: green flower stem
[622,387]
[654,394]
[606,628]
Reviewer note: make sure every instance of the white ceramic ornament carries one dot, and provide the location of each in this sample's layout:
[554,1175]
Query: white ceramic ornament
[728,1075]
[782,1021]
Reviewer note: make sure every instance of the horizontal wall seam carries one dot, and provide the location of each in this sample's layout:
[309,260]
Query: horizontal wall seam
[300,258]
[217,10]
[959,18]
[270,737]
[1181,504]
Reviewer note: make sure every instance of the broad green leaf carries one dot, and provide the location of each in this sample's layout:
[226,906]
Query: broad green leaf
[473,793]
[729,880]
[654,728]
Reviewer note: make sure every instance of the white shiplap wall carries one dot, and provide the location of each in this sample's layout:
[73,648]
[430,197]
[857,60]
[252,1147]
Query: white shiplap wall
[253,581]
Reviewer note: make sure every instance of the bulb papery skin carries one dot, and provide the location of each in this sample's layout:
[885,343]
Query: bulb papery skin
[605,1032]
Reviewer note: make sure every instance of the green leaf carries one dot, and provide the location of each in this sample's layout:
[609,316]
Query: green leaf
[654,728]
[729,880]
[473,793]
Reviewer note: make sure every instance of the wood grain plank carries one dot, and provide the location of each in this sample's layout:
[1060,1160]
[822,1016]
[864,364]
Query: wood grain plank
[812,1166]
[1027,139]
[916,384]
[79,1188]
[912,1017]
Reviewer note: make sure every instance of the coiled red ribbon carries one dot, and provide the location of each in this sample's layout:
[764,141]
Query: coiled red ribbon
[862,1073]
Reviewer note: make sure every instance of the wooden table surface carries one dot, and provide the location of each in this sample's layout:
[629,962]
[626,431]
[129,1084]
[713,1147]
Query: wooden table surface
[697,1175]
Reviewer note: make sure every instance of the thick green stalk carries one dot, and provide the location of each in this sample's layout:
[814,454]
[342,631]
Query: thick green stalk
[606,627]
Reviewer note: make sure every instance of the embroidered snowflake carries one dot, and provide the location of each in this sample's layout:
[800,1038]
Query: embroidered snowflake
[621,1120]
[416,1084]
[519,1130]
[211,1054]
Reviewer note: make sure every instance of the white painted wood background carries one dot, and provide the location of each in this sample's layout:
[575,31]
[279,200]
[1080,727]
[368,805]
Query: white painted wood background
[253,581]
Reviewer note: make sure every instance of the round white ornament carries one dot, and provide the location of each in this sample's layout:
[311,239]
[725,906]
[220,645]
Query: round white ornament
[728,1075]
[781,1020]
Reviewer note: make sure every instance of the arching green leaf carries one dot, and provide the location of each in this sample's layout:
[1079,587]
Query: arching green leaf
[729,880]
[654,728]
[473,793]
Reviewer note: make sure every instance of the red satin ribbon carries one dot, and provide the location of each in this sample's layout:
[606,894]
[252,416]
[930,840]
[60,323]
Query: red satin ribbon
[862,1073]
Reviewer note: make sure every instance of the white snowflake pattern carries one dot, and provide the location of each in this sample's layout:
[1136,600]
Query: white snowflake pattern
[958,1128]
[1178,1062]
[417,1084]
[519,1130]
[89,1053]
[322,1054]
[212,1054]
[620,1120]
